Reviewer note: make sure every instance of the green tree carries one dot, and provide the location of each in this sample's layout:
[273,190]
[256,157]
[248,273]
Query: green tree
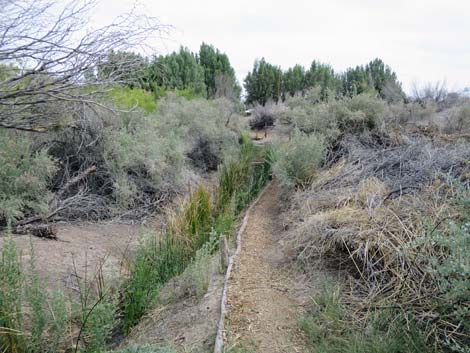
[263,83]
[374,76]
[178,70]
[293,81]
[219,75]
[324,76]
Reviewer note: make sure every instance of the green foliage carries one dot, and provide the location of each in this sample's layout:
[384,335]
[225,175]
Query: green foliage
[298,159]
[11,299]
[267,82]
[216,66]
[323,76]
[146,348]
[332,328]
[241,180]
[293,80]
[24,174]
[48,312]
[24,298]
[374,76]
[195,227]
[160,257]
[129,98]
[178,70]
[263,83]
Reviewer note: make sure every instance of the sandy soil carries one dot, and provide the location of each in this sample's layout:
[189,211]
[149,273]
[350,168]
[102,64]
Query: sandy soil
[81,249]
[265,298]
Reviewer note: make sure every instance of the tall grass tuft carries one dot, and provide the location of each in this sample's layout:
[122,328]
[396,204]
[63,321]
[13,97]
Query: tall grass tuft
[331,327]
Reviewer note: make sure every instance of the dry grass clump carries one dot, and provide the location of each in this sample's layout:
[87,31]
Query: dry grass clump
[395,218]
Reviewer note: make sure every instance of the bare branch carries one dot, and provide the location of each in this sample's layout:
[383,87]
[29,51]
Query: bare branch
[50,58]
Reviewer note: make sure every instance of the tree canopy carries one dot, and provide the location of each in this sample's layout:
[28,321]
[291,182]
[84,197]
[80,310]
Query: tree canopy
[268,82]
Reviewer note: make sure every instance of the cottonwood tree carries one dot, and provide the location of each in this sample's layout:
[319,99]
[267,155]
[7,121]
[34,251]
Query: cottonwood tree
[49,57]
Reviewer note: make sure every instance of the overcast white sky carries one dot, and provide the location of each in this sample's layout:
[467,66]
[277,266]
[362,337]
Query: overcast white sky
[422,40]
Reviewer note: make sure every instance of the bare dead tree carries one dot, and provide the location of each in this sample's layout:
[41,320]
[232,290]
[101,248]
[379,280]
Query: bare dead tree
[49,58]
[430,92]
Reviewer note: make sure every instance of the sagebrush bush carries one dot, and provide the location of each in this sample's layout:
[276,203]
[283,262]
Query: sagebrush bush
[140,159]
[336,116]
[24,175]
[201,128]
[367,113]
[298,159]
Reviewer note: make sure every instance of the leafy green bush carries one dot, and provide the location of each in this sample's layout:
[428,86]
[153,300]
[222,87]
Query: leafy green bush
[130,98]
[24,175]
[298,159]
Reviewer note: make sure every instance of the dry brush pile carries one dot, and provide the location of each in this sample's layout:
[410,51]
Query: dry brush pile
[393,216]
[104,163]
[389,206]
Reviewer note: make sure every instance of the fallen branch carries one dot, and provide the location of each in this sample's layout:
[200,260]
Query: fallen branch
[38,230]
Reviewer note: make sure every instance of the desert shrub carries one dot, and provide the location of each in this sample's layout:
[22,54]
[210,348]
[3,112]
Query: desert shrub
[24,175]
[201,128]
[31,318]
[332,328]
[363,112]
[140,160]
[264,116]
[298,159]
[198,273]
[459,119]
[368,113]
[144,164]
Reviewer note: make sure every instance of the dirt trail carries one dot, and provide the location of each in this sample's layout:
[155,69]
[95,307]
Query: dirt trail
[262,308]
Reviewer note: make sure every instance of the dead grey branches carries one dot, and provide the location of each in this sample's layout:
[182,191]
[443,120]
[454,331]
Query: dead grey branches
[50,58]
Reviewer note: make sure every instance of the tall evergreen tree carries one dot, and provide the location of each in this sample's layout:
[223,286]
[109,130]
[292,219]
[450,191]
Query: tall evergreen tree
[178,70]
[293,81]
[217,72]
[263,83]
[324,76]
